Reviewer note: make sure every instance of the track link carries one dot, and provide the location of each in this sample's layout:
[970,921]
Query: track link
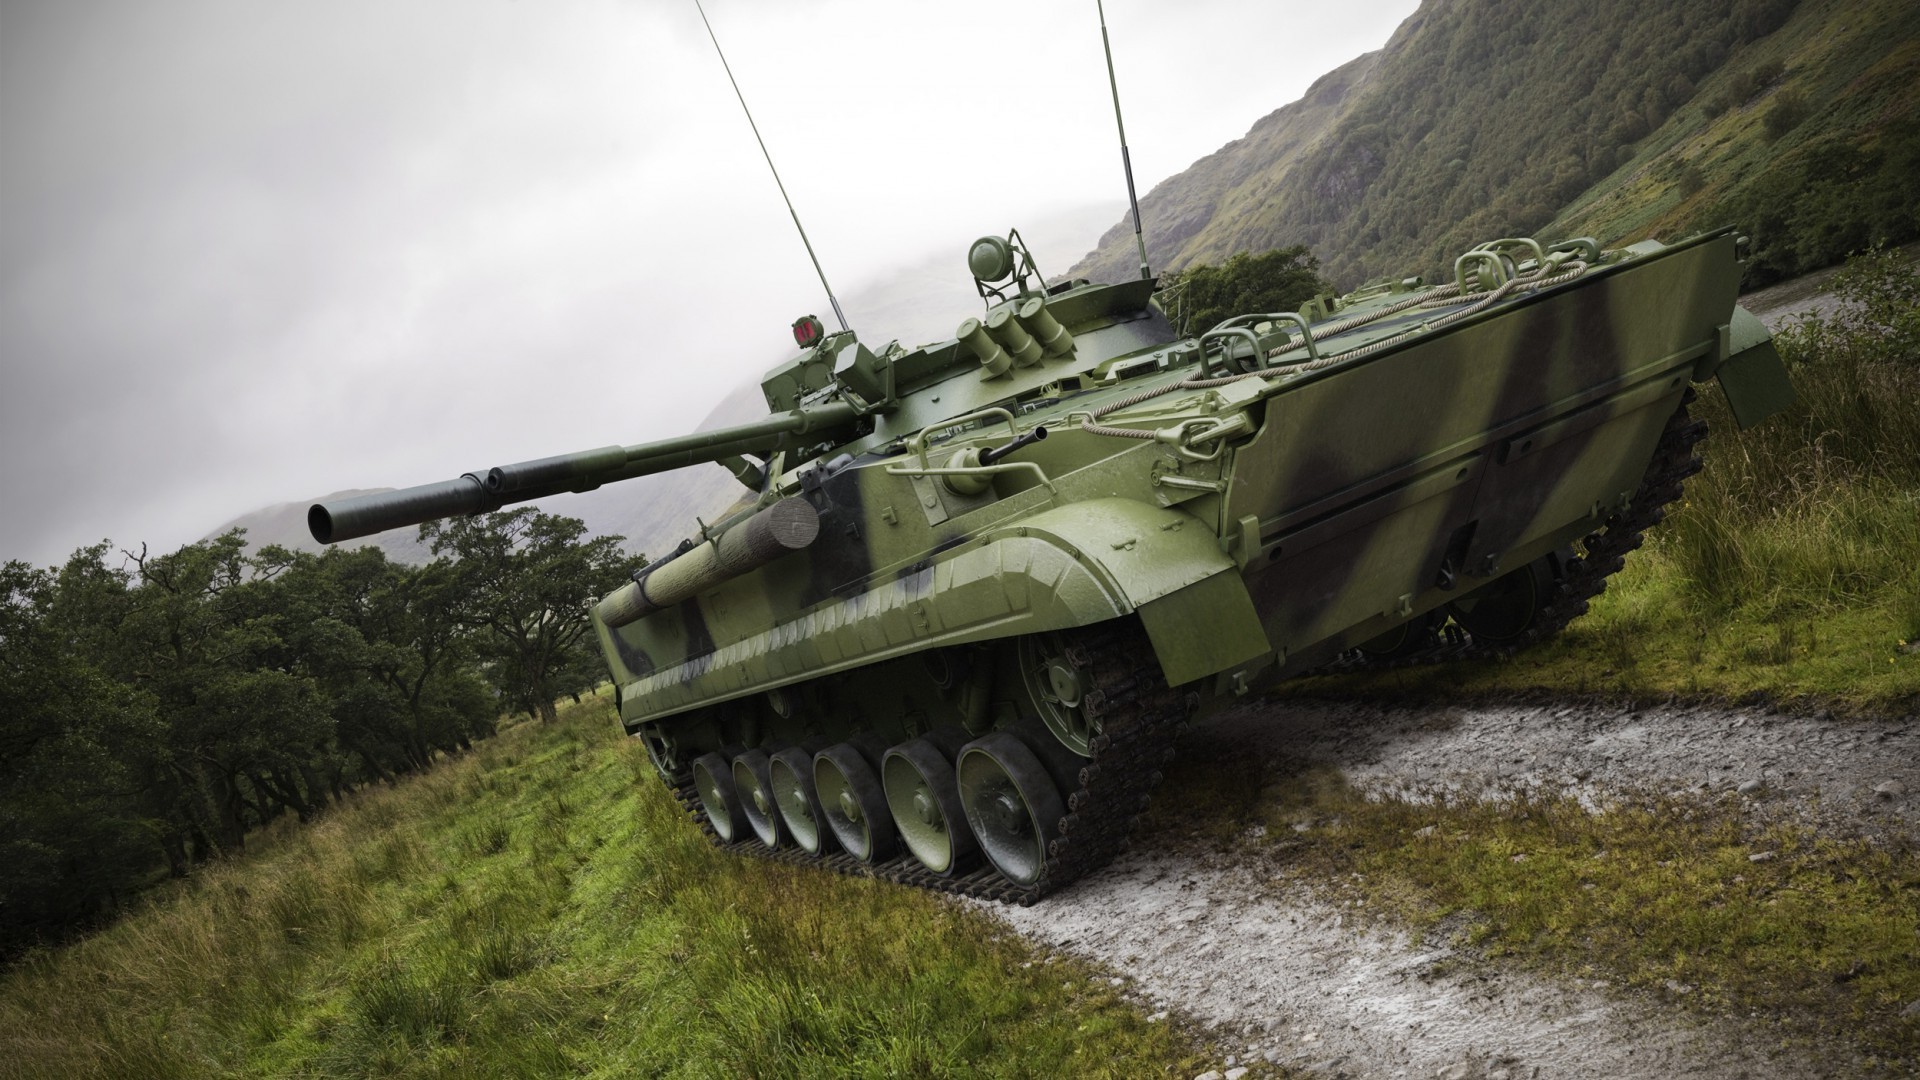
[1139,718]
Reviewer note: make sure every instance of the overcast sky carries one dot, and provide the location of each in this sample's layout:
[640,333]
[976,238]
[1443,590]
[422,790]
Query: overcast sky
[257,252]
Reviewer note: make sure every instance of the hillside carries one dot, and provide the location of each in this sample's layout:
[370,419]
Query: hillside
[1799,119]
[1194,216]
[540,907]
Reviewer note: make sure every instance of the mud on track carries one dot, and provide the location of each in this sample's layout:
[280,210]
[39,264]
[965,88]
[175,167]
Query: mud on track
[1282,976]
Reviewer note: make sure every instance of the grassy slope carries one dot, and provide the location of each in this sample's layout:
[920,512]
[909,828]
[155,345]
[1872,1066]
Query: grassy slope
[541,907]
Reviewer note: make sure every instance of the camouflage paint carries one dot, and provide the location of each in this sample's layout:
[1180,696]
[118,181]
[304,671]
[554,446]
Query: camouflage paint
[1328,506]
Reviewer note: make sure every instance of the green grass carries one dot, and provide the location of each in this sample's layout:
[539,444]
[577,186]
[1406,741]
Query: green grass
[542,907]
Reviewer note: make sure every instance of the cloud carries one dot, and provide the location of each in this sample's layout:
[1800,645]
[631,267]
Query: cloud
[252,252]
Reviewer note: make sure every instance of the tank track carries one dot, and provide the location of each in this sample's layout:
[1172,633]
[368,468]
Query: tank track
[1141,718]
[1585,575]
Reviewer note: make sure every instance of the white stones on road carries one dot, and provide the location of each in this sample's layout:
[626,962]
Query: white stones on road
[1290,981]
[1287,978]
[1843,777]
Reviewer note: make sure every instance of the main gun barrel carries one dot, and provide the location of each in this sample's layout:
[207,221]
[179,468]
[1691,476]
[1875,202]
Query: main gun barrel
[503,485]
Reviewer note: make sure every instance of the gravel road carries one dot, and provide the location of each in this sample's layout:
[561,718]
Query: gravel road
[1844,777]
[1283,976]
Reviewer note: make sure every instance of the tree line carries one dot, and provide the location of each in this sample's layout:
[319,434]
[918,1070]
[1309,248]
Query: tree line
[156,708]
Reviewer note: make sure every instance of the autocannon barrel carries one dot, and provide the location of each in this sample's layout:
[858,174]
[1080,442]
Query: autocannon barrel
[490,489]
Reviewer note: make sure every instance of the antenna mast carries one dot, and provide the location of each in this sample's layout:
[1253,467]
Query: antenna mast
[1126,162]
[837,314]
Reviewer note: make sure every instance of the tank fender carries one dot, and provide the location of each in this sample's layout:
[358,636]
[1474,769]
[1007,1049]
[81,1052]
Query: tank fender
[1169,568]
[1750,371]
[1074,565]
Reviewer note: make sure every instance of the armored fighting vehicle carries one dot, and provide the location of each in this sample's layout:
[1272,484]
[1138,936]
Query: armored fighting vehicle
[976,587]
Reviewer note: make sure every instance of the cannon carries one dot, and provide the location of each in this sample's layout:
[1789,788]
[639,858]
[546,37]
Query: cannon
[978,586]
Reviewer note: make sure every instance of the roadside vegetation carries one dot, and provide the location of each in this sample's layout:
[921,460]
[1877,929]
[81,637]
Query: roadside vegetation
[1788,571]
[542,907]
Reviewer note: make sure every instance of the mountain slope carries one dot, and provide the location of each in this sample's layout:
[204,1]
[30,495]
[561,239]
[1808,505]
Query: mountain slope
[1229,188]
[1487,118]
[1810,141]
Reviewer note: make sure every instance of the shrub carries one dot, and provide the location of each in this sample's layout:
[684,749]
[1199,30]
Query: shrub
[1788,112]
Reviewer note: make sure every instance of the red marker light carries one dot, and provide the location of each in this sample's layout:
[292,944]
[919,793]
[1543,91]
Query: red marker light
[807,331]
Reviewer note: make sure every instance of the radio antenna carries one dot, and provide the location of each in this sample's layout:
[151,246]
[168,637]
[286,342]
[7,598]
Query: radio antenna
[837,313]
[1126,162]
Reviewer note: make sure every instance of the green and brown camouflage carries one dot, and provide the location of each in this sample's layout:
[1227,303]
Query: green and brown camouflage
[975,587]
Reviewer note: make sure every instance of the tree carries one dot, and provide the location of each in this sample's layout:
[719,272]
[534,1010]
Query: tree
[1788,112]
[201,634]
[1278,280]
[528,578]
[389,649]
[73,837]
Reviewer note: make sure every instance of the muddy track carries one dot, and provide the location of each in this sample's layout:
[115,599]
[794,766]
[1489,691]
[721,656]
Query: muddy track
[1280,974]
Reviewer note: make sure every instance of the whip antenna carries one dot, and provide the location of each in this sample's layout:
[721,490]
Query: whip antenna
[837,314]
[1125,161]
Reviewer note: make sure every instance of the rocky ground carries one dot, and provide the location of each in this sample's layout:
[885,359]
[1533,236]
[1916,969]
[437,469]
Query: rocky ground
[1842,777]
[1284,976]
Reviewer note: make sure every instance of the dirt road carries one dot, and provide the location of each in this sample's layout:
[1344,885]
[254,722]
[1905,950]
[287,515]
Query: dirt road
[1285,976]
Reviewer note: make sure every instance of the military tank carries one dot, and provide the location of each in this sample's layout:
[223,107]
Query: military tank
[975,588]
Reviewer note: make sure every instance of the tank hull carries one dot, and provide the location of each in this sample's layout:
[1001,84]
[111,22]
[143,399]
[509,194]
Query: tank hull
[1474,449]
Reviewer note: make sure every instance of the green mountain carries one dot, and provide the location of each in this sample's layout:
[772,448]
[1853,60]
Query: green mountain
[1797,119]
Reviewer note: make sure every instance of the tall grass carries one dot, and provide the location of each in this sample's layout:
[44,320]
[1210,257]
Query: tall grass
[1821,506]
[539,908]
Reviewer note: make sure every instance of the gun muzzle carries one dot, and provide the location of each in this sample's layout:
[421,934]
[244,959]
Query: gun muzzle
[364,515]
